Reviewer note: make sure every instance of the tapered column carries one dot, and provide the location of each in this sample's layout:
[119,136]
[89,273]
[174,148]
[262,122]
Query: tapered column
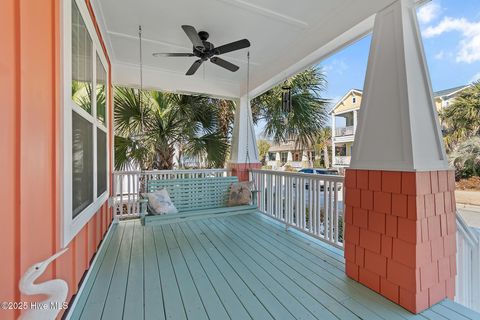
[399,191]
[244,153]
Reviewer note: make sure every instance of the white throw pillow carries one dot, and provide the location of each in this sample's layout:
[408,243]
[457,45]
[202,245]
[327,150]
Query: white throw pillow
[160,202]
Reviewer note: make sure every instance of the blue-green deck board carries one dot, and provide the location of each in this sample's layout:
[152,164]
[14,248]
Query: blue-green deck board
[237,267]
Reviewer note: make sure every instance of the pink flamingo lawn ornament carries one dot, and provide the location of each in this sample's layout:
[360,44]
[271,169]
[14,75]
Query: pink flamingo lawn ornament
[56,291]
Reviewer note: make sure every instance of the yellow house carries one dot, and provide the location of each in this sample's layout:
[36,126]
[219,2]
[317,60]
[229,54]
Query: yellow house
[344,121]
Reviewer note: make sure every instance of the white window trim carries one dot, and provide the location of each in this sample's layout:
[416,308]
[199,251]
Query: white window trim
[72,226]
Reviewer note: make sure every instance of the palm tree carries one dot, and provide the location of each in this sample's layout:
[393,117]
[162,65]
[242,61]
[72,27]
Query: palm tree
[462,118]
[169,121]
[323,141]
[308,116]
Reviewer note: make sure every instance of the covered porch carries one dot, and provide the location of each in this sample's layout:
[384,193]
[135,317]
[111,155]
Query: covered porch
[380,243]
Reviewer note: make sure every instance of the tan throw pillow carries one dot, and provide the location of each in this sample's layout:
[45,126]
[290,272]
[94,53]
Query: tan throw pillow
[240,194]
[160,202]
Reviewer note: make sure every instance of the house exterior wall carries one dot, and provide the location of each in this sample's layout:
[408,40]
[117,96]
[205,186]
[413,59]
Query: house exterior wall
[30,86]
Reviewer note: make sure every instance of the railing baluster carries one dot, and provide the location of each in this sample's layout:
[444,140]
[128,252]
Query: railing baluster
[306,202]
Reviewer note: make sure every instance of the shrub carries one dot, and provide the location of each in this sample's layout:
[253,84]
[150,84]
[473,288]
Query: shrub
[466,159]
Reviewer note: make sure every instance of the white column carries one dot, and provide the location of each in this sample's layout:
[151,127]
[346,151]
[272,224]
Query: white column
[277,160]
[333,141]
[355,121]
[243,135]
[305,160]
[289,156]
[398,126]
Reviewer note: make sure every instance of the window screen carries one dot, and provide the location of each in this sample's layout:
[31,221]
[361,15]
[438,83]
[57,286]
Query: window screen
[82,163]
[101,162]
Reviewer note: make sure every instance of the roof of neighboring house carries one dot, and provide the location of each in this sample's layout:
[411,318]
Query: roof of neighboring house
[344,97]
[448,92]
[438,94]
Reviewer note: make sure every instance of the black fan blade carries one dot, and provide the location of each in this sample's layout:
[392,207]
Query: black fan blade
[232,46]
[194,67]
[172,54]
[224,64]
[192,34]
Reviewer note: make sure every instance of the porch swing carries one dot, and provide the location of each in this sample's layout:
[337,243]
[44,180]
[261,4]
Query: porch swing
[195,197]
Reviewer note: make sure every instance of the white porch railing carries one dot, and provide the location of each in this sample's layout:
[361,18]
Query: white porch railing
[311,203]
[342,160]
[344,131]
[127,184]
[467,291]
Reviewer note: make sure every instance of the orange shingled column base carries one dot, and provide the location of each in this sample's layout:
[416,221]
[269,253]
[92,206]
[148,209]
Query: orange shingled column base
[241,169]
[400,234]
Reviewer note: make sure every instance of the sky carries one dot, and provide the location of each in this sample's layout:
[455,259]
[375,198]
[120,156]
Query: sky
[451,37]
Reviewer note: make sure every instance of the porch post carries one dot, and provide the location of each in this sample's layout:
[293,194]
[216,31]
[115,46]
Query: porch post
[399,203]
[243,139]
[332,163]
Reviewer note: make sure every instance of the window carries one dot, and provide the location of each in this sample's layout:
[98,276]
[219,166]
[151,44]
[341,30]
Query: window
[283,157]
[296,156]
[354,100]
[101,91]
[271,156]
[312,156]
[82,62]
[101,162]
[85,156]
[82,164]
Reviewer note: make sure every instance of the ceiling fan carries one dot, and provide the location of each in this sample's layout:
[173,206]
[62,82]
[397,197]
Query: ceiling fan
[205,50]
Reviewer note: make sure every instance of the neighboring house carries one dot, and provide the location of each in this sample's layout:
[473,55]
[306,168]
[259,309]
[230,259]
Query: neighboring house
[444,98]
[283,154]
[344,121]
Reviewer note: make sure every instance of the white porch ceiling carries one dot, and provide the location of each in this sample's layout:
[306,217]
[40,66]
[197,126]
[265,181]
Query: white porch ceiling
[286,36]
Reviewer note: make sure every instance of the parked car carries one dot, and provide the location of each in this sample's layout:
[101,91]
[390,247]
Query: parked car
[319,171]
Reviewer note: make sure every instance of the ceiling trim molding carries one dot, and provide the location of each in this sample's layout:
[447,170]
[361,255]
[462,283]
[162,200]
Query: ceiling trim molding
[267,12]
[97,9]
[173,45]
[167,81]
[158,69]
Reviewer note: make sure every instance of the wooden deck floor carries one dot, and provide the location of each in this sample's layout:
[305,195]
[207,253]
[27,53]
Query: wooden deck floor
[236,267]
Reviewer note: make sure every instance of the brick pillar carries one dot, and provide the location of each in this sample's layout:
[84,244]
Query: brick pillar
[400,234]
[241,169]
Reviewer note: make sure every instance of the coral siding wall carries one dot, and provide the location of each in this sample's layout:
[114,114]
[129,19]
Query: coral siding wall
[30,152]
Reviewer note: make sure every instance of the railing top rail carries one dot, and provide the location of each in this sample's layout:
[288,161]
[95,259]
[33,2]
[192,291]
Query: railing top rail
[327,177]
[171,171]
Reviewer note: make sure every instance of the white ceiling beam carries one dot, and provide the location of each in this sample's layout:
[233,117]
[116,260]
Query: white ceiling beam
[345,39]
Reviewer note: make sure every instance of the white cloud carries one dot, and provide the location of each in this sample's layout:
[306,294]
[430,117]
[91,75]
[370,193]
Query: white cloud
[429,12]
[469,46]
[338,66]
